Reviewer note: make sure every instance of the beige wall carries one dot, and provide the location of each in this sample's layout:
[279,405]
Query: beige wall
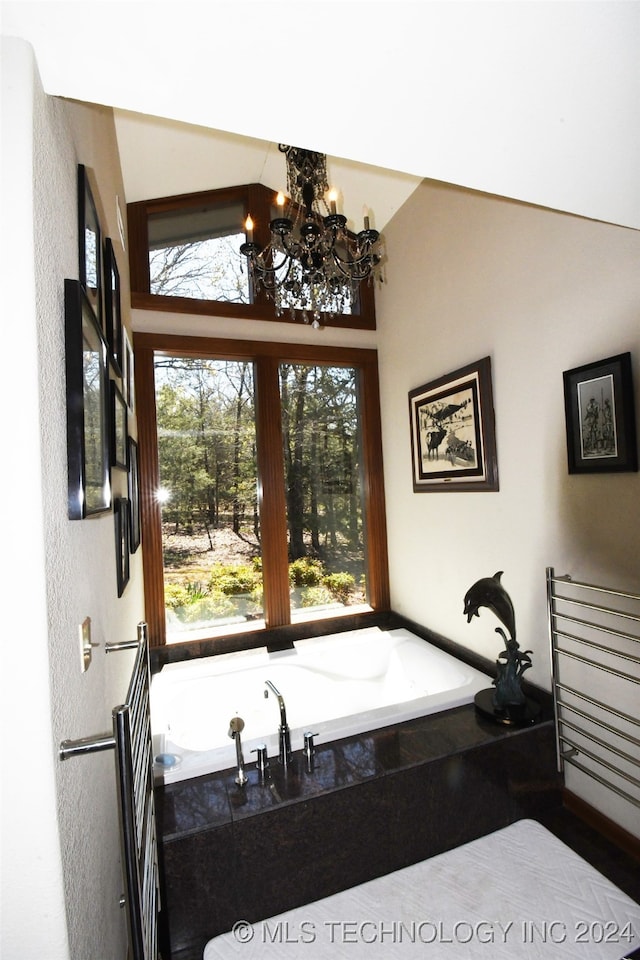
[61,859]
[469,276]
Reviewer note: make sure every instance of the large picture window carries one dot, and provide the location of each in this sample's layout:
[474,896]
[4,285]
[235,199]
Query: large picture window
[262,485]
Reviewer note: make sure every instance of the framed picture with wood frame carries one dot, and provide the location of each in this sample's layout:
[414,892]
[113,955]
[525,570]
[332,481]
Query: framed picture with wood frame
[453,443]
[600,416]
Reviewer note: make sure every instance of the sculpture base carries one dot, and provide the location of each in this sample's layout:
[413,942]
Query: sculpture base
[515,715]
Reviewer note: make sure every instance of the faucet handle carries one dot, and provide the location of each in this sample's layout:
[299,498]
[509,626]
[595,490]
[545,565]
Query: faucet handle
[262,760]
[309,748]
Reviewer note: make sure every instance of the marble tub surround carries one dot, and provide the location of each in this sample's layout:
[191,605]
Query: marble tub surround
[371,804]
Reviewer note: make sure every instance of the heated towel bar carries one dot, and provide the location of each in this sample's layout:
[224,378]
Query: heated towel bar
[595,654]
[131,740]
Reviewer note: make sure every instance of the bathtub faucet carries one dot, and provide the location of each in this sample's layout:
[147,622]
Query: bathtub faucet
[284,737]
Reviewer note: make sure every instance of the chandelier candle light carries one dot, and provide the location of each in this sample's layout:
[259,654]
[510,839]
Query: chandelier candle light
[312,262]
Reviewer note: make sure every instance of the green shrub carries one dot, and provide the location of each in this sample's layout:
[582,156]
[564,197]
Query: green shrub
[176,596]
[340,585]
[317,596]
[256,598]
[213,607]
[305,572]
[233,580]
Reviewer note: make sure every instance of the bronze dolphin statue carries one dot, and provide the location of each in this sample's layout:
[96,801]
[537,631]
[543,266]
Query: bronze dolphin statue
[489,592]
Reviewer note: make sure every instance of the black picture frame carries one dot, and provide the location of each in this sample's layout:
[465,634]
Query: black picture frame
[119,428]
[600,416]
[89,244]
[128,372]
[112,307]
[121,516]
[453,442]
[134,495]
[87,389]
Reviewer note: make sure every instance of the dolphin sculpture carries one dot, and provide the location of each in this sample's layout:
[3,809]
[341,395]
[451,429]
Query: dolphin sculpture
[489,592]
[512,662]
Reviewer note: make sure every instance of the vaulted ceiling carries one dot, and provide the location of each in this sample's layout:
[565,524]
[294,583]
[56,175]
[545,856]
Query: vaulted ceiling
[534,101]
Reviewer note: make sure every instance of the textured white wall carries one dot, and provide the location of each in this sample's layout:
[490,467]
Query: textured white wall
[540,292]
[33,916]
[72,803]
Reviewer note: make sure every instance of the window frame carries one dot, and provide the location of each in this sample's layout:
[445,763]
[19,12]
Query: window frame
[266,357]
[257,200]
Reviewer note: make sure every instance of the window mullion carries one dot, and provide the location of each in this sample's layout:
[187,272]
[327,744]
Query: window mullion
[150,512]
[271,494]
[374,499]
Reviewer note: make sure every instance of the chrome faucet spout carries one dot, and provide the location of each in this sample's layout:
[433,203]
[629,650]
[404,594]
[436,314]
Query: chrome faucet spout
[280,698]
[284,736]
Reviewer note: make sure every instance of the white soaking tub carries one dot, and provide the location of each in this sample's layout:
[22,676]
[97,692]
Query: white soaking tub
[334,686]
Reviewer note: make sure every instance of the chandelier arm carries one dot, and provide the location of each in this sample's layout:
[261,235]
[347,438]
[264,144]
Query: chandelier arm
[292,248]
[349,267]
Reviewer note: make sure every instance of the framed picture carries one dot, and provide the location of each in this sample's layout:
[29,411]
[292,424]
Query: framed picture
[112,307]
[453,444]
[87,378]
[600,416]
[119,432]
[121,522]
[89,243]
[134,496]
[128,382]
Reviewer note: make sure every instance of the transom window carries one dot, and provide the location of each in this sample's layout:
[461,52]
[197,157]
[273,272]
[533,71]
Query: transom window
[184,255]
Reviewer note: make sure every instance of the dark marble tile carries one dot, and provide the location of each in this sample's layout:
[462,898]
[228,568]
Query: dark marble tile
[198,888]
[296,854]
[191,805]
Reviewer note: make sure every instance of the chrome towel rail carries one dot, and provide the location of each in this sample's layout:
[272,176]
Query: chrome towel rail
[101,741]
[131,740]
[596,712]
[78,748]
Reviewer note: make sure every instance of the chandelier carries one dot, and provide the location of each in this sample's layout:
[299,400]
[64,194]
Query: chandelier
[312,262]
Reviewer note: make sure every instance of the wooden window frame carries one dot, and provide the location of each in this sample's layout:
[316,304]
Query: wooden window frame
[257,200]
[267,357]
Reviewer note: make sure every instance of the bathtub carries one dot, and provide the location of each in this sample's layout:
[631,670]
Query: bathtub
[333,686]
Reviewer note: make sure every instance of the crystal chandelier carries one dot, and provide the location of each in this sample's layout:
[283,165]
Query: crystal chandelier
[312,262]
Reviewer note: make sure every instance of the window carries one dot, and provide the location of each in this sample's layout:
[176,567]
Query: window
[262,485]
[184,256]
[321,432]
[196,253]
[207,493]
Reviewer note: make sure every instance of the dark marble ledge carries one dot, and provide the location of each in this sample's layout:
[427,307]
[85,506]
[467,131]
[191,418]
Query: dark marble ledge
[206,802]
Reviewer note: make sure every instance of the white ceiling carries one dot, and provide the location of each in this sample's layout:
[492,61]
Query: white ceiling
[164,158]
[536,101]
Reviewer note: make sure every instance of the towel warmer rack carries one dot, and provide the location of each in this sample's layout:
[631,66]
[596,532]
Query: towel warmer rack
[595,655]
[131,740]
